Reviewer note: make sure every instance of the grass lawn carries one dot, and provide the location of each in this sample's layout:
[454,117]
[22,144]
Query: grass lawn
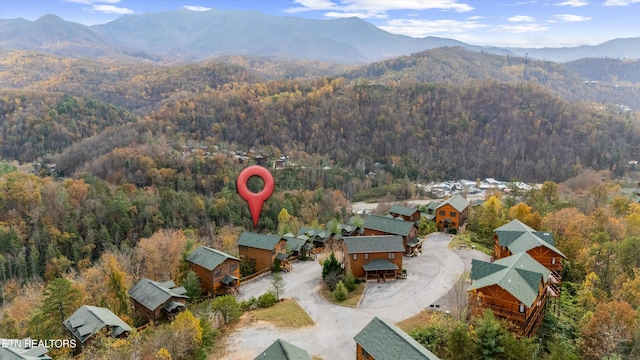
[353,298]
[467,240]
[419,320]
[287,314]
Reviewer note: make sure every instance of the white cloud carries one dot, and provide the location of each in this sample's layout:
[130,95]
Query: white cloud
[110,9]
[362,15]
[521,28]
[620,2]
[196,8]
[422,28]
[572,3]
[375,8]
[91,2]
[475,17]
[570,18]
[521,18]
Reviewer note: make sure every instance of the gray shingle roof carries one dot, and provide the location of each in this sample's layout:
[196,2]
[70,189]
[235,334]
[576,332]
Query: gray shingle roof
[388,225]
[20,353]
[519,274]
[282,350]
[372,244]
[152,294]
[383,340]
[518,237]
[379,264]
[402,210]
[457,202]
[88,320]
[209,258]
[294,243]
[260,241]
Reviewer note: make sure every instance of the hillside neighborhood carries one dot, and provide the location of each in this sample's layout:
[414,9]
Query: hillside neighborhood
[404,274]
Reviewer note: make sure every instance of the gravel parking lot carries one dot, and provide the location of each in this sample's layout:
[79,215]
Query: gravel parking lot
[430,276]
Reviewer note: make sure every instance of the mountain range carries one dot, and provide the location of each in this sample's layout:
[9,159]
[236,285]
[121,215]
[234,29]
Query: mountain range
[187,36]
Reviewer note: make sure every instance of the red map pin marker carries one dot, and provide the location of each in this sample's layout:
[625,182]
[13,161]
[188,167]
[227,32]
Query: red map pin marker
[255,200]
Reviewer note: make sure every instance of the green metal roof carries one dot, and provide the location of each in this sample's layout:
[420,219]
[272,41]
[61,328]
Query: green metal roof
[209,258]
[282,350]
[372,244]
[383,340]
[88,320]
[295,243]
[520,275]
[518,237]
[379,264]
[457,202]
[152,294]
[403,210]
[260,241]
[388,225]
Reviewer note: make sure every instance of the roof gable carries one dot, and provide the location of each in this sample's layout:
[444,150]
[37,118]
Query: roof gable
[259,241]
[388,225]
[528,241]
[518,237]
[295,243]
[282,350]
[403,210]
[457,202]
[208,258]
[516,274]
[88,320]
[383,340]
[152,294]
[515,225]
[372,244]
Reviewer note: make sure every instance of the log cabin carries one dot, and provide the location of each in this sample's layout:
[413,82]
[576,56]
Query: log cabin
[261,250]
[88,321]
[515,288]
[373,257]
[515,237]
[406,213]
[219,272]
[385,225]
[282,350]
[452,214]
[381,340]
[156,300]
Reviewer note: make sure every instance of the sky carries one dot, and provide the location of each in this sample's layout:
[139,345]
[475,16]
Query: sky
[504,23]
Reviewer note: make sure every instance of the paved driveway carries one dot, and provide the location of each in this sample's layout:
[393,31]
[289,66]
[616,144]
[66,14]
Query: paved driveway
[429,277]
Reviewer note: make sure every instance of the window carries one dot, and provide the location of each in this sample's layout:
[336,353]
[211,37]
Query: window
[217,272]
[366,256]
[283,246]
[391,256]
[443,213]
[233,267]
[273,252]
[453,214]
[365,355]
[521,308]
[553,260]
[355,256]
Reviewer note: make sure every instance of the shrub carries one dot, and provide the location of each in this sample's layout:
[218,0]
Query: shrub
[250,304]
[266,300]
[349,281]
[228,306]
[340,293]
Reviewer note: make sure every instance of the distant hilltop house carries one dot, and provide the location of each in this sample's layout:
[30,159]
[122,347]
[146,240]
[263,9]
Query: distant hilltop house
[156,300]
[219,272]
[373,257]
[282,350]
[88,321]
[380,340]
[384,225]
[261,251]
[451,214]
[515,288]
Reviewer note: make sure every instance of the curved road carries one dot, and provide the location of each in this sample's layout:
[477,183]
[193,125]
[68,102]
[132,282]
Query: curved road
[429,277]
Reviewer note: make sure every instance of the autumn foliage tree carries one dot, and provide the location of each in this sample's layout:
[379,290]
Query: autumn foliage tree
[609,330]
